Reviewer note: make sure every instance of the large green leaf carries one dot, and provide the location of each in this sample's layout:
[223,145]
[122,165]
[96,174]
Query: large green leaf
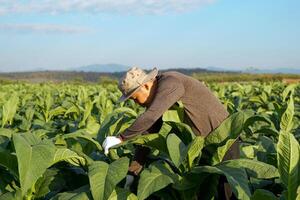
[236,177]
[177,149]
[262,118]
[248,151]
[290,89]
[266,150]
[9,161]
[221,151]
[184,131]
[171,116]
[165,129]
[266,144]
[84,135]
[207,187]
[298,193]
[286,123]
[34,157]
[81,193]
[153,140]
[153,179]
[194,150]
[261,194]
[114,123]
[127,111]
[72,109]
[180,153]
[122,194]
[16,195]
[229,128]
[288,157]
[254,168]
[6,132]
[9,109]
[188,181]
[52,182]
[63,154]
[88,106]
[56,111]
[104,177]
[220,140]
[175,113]
[92,126]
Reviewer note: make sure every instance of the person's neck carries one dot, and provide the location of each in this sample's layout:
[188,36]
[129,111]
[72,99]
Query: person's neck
[152,92]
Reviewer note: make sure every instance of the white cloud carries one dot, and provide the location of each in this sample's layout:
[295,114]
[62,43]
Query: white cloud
[100,6]
[44,28]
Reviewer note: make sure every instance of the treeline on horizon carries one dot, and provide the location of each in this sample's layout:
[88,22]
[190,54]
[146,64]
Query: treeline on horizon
[100,77]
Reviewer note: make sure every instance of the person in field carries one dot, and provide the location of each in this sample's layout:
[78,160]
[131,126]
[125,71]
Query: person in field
[157,92]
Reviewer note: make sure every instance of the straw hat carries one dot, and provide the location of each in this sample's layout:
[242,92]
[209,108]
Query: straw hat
[133,79]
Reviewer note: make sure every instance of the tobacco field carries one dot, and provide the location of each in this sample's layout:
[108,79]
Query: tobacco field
[51,136]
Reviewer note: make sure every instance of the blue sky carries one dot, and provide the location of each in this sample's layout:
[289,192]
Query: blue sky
[234,34]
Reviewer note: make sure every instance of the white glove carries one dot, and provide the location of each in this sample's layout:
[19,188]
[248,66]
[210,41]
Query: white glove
[109,142]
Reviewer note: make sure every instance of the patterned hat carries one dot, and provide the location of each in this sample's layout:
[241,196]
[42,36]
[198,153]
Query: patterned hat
[133,80]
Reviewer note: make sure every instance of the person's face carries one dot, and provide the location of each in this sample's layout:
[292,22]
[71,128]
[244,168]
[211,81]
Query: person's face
[140,97]
[143,96]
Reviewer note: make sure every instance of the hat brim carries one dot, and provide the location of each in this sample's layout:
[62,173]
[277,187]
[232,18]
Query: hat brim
[151,75]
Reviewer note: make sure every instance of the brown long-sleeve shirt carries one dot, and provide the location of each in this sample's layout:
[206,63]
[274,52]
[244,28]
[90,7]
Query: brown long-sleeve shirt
[203,110]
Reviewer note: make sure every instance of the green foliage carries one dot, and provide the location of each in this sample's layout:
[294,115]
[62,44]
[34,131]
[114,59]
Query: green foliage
[220,140]
[34,157]
[9,110]
[236,177]
[263,194]
[288,154]
[153,179]
[122,194]
[104,177]
[51,136]
[176,149]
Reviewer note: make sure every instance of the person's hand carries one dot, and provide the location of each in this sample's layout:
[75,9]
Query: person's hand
[109,142]
[135,168]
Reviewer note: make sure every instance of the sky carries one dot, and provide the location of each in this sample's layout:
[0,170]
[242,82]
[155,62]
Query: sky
[233,34]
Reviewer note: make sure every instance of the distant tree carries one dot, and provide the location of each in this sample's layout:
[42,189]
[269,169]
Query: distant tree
[107,80]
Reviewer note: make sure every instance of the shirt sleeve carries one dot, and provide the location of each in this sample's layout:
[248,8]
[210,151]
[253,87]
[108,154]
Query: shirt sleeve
[169,91]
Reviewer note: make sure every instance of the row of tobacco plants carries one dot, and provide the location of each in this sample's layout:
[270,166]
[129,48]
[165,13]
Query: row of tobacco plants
[51,136]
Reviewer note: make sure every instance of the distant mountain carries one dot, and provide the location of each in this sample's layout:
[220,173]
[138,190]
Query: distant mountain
[219,69]
[257,70]
[189,71]
[273,71]
[105,68]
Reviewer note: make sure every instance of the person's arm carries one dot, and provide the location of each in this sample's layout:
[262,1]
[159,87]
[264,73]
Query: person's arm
[168,92]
